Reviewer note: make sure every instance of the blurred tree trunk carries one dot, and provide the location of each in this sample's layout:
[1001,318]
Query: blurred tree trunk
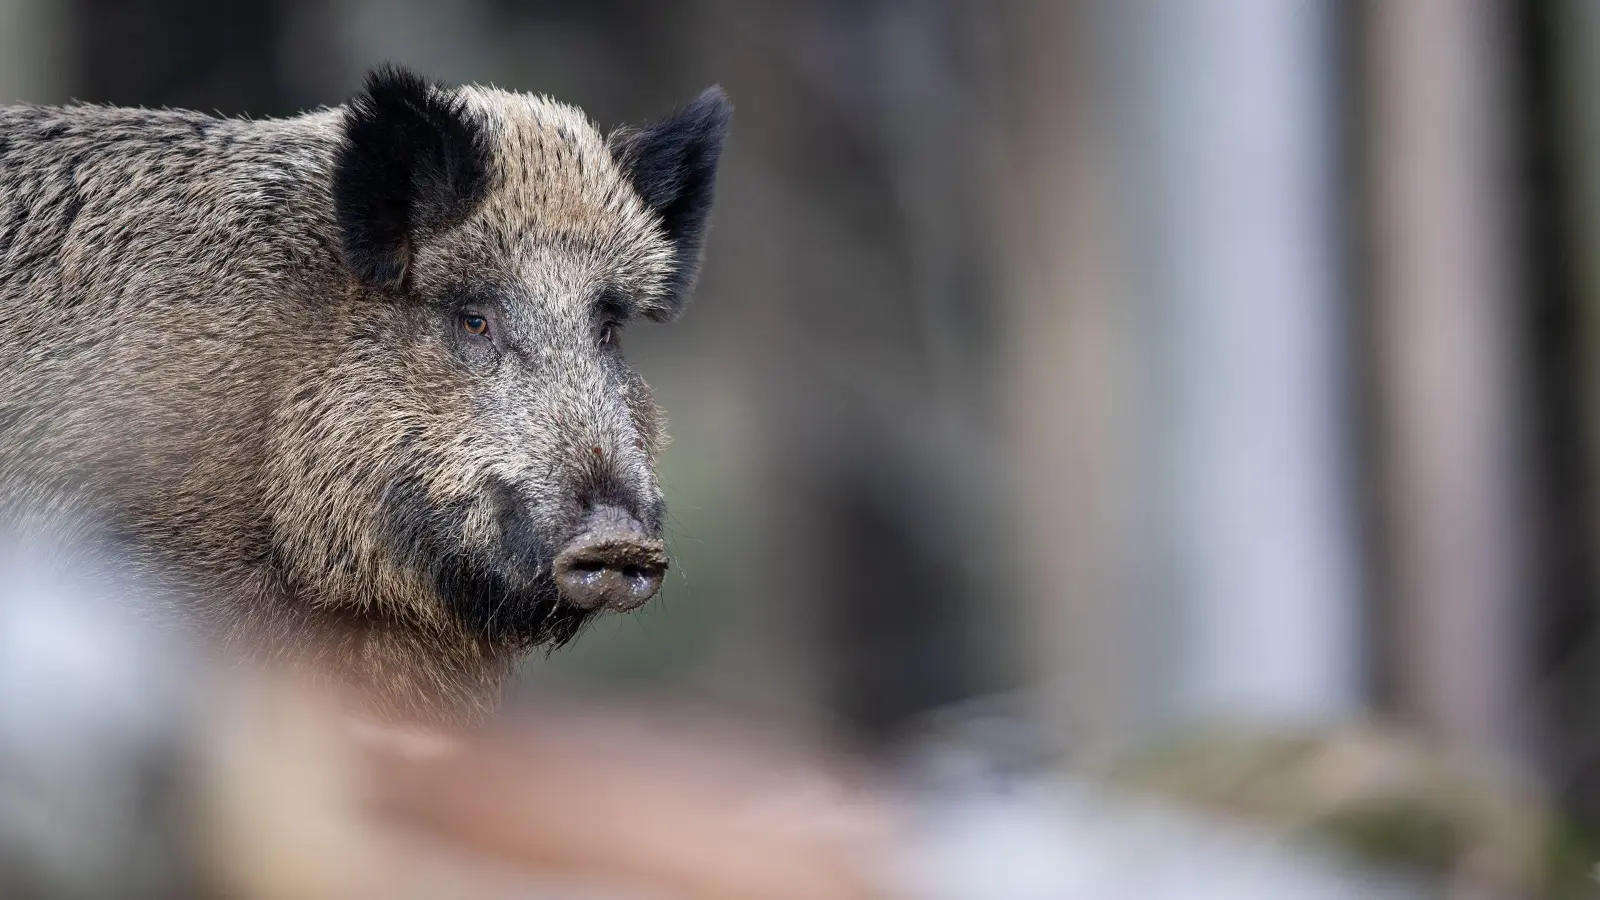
[1069,369]
[1450,377]
[1229,126]
[1178,365]
[1565,58]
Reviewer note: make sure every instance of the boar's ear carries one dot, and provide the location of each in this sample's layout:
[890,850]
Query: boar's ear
[413,159]
[673,166]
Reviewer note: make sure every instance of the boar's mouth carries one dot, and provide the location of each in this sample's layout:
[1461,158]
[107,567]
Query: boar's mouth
[506,593]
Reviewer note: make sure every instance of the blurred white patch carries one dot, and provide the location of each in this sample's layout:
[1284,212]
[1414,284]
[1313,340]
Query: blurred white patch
[90,702]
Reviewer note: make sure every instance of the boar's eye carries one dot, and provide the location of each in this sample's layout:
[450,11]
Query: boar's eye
[475,325]
[608,334]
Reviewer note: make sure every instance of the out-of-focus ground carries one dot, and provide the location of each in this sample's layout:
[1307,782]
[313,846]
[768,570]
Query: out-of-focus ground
[1155,441]
[130,768]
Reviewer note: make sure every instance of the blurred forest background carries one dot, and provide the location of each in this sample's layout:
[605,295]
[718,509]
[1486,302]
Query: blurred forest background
[1144,364]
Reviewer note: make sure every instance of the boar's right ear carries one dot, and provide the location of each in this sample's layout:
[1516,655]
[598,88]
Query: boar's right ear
[672,164]
[413,159]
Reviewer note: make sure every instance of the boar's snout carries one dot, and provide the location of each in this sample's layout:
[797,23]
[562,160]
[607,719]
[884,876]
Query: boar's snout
[614,564]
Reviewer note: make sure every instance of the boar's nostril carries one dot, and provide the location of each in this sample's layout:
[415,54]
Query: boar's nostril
[613,564]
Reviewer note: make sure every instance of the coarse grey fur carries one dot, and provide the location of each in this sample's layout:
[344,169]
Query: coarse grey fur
[197,358]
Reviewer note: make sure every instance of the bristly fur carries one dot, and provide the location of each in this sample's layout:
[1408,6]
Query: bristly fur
[237,347]
[673,166]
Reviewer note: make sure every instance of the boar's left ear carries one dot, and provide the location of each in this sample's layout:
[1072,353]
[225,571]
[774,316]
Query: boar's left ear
[672,164]
[413,160]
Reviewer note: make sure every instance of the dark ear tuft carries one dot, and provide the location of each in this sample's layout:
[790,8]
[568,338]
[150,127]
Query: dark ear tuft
[673,166]
[413,160]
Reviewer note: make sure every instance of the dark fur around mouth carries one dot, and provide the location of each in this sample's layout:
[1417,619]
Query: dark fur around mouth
[505,593]
[487,604]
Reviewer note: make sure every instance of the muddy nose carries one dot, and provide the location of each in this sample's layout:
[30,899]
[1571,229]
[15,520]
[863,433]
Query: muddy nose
[613,564]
